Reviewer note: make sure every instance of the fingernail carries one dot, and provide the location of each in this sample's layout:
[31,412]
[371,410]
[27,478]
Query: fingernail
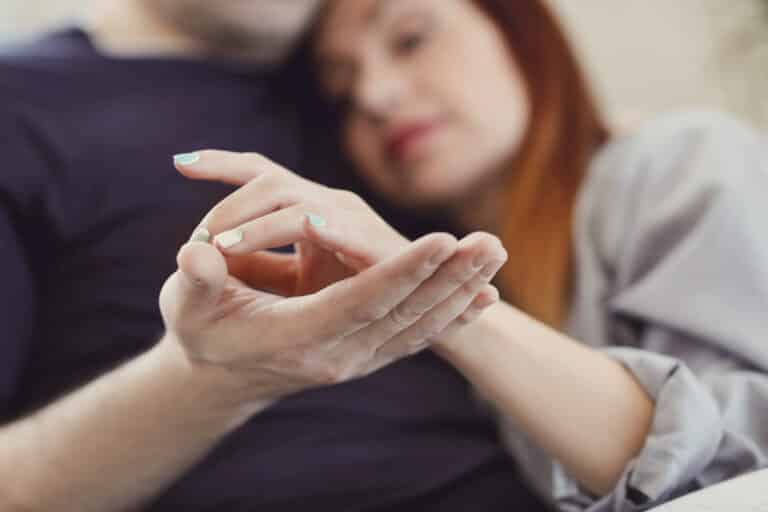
[316,220]
[230,238]
[200,235]
[186,158]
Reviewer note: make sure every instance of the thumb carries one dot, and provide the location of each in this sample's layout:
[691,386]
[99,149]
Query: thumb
[201,277]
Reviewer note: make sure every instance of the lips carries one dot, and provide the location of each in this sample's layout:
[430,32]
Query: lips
[403,141]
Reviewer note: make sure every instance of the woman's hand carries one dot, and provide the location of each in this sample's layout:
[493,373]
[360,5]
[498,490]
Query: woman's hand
[335,232]
[269,346]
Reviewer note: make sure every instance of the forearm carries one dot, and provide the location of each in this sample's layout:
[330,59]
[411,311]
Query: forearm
[119,440]
[585,409]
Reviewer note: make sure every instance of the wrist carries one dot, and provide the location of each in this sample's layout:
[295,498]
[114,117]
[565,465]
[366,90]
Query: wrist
[464,338]
[217,386]
[498,326]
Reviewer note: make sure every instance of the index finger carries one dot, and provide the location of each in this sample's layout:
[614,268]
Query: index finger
[266,186]
[224,166]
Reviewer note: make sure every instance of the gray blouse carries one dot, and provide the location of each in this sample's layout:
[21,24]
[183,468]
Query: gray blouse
[671,246]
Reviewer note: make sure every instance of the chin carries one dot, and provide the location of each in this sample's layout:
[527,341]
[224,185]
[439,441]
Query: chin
[427,197]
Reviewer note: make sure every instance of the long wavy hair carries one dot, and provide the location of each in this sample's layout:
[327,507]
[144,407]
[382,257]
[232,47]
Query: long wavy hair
[542,185]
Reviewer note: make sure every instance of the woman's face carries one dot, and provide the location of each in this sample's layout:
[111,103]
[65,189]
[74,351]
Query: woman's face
[433,102]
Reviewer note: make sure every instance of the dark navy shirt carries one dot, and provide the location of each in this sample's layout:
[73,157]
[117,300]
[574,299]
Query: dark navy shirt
[92,214]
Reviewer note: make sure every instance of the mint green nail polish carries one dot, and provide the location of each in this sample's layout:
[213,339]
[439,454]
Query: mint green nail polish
[229,238]
[316,220]
[186,158]
[201,235]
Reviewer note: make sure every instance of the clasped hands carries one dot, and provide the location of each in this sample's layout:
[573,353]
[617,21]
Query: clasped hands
[355,296]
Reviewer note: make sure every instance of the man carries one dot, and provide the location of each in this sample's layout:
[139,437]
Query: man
[91,219]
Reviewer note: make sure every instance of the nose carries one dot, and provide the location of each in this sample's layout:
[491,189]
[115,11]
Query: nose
[379,91]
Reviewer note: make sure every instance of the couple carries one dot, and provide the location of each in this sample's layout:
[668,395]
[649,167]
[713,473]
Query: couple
[617,363]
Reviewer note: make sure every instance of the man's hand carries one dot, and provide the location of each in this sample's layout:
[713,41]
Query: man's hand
[273,346]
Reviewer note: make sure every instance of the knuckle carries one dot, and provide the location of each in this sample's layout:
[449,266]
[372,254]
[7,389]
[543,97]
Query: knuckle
[467,317]
[327,376]
[430,328]
[267,180]
[257,159]
[321,370]
[472,287]
[444,236]
[417,347]
[420,273]
[457,277]
[485,237]
[266,166]
[370,314]
[340,372]
[404,315]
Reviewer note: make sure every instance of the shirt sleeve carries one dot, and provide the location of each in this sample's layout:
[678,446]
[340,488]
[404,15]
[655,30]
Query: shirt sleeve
[673,242]
[21,186]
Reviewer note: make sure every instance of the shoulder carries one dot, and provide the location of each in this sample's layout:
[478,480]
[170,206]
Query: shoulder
[693,150]
[37,72]
[671,223]
[679,178]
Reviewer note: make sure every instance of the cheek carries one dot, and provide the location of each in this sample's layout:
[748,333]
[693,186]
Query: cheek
[485,126]
[484,131]
[497,117]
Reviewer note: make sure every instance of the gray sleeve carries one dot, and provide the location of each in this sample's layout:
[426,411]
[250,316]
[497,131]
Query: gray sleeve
[673,244]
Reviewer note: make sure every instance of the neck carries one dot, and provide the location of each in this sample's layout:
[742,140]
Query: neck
[481,208]
[128,28]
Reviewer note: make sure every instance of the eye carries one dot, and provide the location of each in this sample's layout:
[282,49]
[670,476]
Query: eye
[409,42]
[411,31]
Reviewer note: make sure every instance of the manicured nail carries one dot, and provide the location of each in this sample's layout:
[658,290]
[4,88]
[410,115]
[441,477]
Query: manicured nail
[230,238]
[316,220]
[201,235]
[186,158]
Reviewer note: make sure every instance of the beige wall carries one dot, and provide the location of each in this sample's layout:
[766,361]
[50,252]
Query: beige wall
[645,56]
[653,56]
[20,17]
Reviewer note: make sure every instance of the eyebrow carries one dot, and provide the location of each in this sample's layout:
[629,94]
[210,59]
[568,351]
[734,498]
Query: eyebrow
[375,11]
[378,9]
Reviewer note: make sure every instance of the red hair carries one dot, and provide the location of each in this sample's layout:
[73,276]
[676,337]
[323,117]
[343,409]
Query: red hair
[540,191]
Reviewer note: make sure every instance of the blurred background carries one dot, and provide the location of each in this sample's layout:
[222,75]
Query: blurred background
[645,56]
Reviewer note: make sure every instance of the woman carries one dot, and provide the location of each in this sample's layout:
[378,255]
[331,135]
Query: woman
[624,361]
[647,249]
